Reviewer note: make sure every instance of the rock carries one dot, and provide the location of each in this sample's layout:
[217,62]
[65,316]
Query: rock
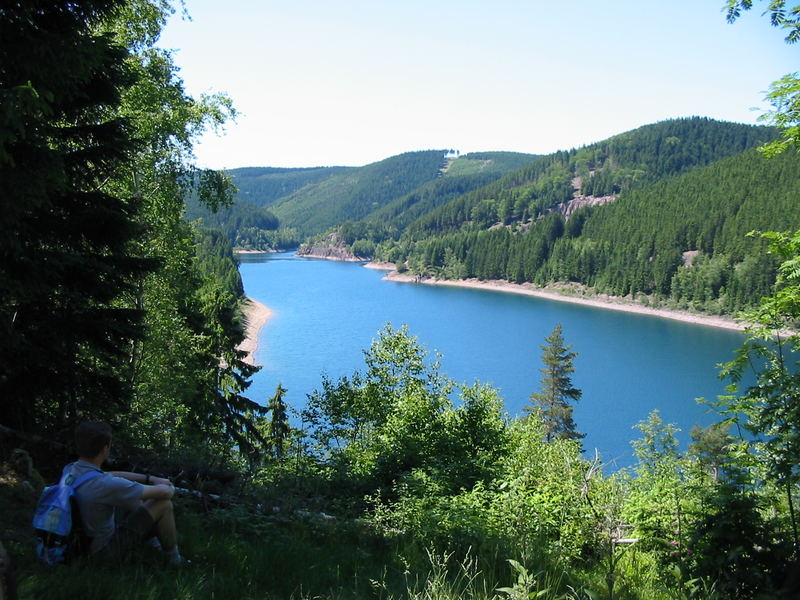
[331,247]
[17,473]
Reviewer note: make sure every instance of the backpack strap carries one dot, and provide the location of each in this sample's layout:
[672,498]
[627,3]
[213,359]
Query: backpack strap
[78,480]
[81,540]
[84,478]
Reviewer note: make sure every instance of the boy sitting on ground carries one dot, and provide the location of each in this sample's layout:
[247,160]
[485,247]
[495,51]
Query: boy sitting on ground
[145,500]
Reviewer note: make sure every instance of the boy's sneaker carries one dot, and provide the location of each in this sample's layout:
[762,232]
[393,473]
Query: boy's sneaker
[173,558]
[154,542]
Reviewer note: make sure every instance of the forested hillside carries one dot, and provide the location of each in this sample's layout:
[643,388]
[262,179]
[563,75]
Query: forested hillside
[663,192]
[246,225]
[675,200]
[261,186]
[682,238]
[249,224]
[355,193]
[620,163]
[459,176]
[565,180]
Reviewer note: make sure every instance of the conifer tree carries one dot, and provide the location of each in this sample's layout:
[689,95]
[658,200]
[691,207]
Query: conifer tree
[553,400]
[279,429]
[65,236]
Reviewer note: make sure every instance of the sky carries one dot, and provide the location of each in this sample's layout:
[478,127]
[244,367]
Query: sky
[351,82]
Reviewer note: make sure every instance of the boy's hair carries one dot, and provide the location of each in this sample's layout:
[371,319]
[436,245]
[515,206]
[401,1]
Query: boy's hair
[91,437]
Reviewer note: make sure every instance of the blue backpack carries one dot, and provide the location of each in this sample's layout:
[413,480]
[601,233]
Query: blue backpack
[56,517]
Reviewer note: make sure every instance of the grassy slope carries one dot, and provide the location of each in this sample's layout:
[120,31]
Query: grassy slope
[488,162]
[354,194]
[233,555]
[261,186]
[236,555]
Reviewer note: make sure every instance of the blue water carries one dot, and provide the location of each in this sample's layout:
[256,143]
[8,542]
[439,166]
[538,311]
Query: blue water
[326,313]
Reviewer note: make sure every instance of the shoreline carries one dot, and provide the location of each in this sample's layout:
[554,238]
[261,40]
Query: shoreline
[380,266]
[331,257]
[256,316]
[528,289]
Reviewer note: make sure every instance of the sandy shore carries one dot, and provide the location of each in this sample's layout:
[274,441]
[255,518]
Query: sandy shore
[380,266]
[256,316]
[529,289]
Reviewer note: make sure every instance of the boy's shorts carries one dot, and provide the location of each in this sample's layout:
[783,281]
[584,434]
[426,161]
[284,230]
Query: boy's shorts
[131,532]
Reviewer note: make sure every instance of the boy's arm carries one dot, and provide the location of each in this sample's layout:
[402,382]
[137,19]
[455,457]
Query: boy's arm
[154,487]
[140,478]
[160,491]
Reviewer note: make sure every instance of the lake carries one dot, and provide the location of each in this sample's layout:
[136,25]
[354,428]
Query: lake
[326,313]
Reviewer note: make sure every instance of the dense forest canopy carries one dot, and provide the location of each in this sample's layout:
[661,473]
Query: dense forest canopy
[641,243]
[309,200]
[112,305]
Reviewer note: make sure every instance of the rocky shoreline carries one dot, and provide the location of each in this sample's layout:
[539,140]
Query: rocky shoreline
[330,256]
[332,247]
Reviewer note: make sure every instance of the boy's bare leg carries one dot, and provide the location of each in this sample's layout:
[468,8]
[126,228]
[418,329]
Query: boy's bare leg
[164,518]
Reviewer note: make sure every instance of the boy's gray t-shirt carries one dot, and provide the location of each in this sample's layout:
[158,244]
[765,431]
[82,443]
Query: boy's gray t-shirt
[99,497]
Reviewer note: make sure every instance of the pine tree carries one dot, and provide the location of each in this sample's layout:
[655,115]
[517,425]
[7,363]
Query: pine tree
[279,422]
[553,401]
[65,235]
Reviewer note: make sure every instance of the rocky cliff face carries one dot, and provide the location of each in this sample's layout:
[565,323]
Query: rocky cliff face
[579,200]
[331,247]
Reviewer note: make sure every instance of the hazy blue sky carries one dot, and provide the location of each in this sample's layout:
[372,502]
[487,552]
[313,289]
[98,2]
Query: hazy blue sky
[326,82]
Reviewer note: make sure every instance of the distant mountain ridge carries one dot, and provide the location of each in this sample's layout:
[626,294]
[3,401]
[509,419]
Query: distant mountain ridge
[527,218]
[353,194]
[620,163]
[261,186]
[652,197]
[313,200]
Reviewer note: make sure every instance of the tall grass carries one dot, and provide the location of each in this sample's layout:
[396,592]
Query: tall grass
[236,555]
[232,556]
